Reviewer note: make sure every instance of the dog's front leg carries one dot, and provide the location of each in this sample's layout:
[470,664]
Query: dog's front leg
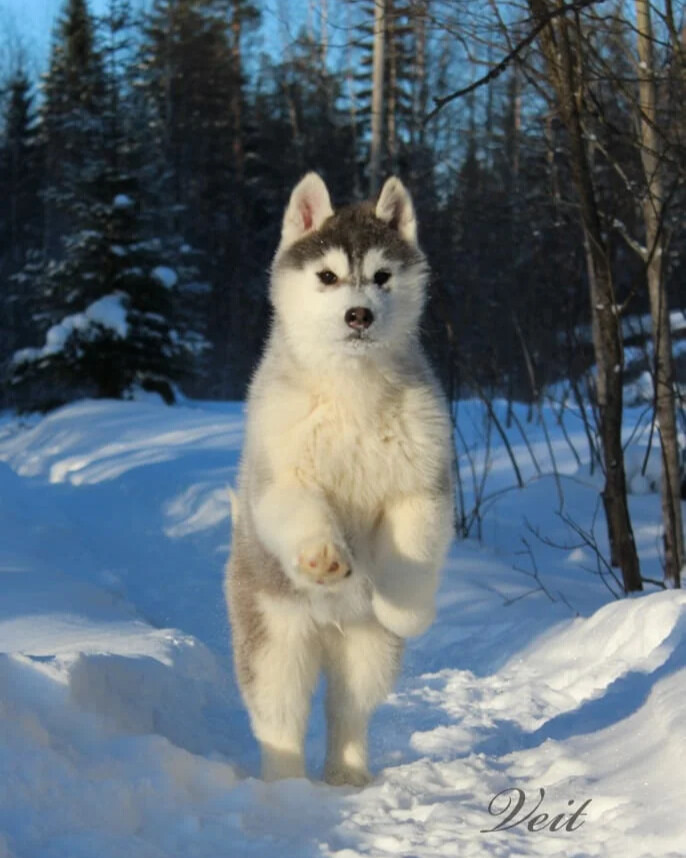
[296,524]
[409,549]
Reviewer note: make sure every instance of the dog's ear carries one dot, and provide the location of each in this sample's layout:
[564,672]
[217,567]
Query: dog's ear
[308,208]
[395,208]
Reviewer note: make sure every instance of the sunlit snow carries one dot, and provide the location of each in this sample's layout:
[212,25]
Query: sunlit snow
[121,729]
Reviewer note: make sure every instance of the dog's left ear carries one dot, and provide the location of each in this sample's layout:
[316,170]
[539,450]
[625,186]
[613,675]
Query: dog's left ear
[308,208]
[395,208]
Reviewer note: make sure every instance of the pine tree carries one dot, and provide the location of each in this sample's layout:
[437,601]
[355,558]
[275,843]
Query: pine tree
[193,81]
[130,309]
[115,300]
[189,77]
[20,180]
[129,323]
[18,169]
[299,123]
[72,127]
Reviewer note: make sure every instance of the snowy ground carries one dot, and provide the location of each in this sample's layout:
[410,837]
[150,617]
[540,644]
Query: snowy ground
[121,732]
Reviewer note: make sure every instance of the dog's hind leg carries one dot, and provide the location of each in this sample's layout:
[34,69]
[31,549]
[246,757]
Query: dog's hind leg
[361,662]
[283,673]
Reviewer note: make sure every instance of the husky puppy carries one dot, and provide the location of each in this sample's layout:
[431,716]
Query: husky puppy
[344,507]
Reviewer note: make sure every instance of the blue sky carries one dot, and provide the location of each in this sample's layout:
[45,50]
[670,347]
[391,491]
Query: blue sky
[29,23]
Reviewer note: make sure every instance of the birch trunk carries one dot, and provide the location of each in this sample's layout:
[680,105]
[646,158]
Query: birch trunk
[420,88]
[663,379]
[391,88]
[377,95]
[236,102]
[563,72]
[352,100]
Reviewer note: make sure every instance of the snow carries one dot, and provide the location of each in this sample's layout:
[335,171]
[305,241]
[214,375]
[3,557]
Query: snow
[641,390]
[639,325]
[122,201]
[121,730]
[108,312]
[165,276]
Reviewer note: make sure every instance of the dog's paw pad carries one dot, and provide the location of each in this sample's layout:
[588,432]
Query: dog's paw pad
[324,562]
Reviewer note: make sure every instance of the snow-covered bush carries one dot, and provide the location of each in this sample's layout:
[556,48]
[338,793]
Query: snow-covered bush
[122,314]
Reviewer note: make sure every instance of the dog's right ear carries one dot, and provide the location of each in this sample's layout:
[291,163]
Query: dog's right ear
[308,208]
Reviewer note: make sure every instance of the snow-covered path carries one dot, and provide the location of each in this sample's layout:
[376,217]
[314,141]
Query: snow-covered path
[121,732]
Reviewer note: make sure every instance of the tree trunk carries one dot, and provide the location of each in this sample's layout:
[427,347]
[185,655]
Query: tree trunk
[391,89]
[663,379]
[377,95]
[420,87]
[236,101]
[352,100]
[324,33]
[566,82]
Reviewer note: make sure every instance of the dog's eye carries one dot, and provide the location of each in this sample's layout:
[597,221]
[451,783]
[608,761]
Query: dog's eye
[327,277]
[382,276]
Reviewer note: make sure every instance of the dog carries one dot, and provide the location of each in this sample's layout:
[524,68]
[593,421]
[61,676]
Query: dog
[343,511]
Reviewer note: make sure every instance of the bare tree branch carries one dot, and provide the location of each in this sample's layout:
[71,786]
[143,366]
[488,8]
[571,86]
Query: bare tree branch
[498,69]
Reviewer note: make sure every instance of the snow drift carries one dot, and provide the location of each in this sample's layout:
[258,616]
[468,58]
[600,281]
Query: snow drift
[121,733]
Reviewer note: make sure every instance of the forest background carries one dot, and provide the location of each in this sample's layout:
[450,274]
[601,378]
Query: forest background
[145,169]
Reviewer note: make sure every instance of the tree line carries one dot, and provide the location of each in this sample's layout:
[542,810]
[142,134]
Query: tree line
[145,175]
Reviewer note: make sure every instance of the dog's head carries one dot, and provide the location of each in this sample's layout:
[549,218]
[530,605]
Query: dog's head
[351,282]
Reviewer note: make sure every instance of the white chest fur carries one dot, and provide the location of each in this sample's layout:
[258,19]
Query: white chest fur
[359,437]
[357,452]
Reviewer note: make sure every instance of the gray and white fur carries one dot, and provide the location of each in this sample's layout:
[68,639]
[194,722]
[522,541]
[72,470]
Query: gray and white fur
[344,506]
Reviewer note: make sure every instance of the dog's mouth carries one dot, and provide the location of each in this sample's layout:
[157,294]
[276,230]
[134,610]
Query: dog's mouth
[358,337]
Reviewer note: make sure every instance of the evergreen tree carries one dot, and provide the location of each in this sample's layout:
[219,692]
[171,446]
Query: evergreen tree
[301,124]
[72,116]
[188,77]
[18,171]
[193,80]
[129,324]
[20,181]
[115,300]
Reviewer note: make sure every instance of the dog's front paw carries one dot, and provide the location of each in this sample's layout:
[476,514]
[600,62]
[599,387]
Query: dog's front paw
[324,562]
[406,621]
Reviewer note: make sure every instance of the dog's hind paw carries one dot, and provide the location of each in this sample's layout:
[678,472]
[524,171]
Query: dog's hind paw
[341,775]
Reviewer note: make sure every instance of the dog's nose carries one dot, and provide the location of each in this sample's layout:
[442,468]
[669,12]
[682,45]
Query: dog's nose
[359,318]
